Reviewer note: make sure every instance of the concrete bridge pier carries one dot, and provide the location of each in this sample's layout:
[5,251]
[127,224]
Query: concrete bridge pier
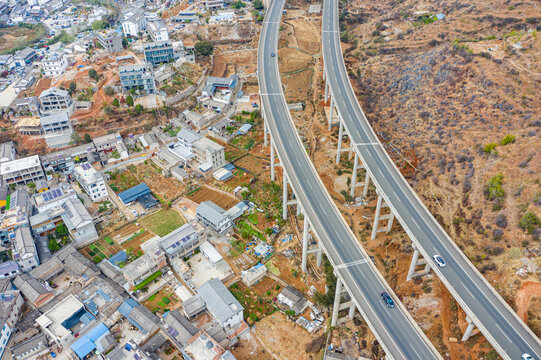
[415,261]
[273,160]
[377,217]
[469,329]
[339,305]
[362,184]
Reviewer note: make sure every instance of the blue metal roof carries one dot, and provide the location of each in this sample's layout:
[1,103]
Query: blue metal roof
[127,306]
[85,345]
[135,192]
[118,257]
[97,332]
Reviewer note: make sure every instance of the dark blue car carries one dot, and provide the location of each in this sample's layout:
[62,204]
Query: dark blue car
[387,298]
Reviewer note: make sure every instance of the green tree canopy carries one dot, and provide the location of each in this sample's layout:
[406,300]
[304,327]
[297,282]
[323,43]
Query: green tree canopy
[99,25]
[93,74]
[204,48]
[129,100]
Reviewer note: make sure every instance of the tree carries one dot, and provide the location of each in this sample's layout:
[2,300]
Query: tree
[87,138]
[204,48]
[99,25]
[93,74]
[53,245]
[238,5]
[75,138]
[129,100]
[116,102]
[258,5]
[61,230]
[139,109]
[73,88]
[31,185]
[108,91]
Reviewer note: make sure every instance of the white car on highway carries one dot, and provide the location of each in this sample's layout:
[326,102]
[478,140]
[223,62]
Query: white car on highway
[439,260]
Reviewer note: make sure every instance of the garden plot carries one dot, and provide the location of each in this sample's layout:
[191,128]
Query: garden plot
[163,221]
[165,189]
[101,249]
[162,301]
[221,199]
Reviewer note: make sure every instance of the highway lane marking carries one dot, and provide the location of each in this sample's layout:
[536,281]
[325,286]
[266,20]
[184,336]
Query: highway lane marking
[367,144]
[415,222]
[271,94]
[330,31]
[398,198]
[504,334]
[415,351]
[468,290]
[353,263]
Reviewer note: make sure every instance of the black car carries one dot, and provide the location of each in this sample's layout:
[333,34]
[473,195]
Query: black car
[387,298]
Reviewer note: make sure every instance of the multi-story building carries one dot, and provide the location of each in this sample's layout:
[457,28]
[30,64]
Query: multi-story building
[110,40]
[137,77]
[208,154]
[79,222]
[56,123]
[159,52]
[22,171]
[11,303]
[143,267]
[107,143]
[57,129]
[183,241]
[158,30]
[91,181]
[24,249]
[213,4]
[133,22]
[55,100]
[24,57]
[211,215]
[19,209]
[7,151]
[55,64]
[26,106]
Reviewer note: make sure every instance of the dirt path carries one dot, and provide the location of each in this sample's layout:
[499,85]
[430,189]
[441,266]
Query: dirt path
[98,99]
[528,289]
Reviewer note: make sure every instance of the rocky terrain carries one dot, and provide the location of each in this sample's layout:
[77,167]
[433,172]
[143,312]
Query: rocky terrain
[452,89]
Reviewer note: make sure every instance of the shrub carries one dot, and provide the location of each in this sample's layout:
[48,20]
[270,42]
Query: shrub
[529,222]
[508,139]
[494,190]
[109,91]
[490,149]
[204,48]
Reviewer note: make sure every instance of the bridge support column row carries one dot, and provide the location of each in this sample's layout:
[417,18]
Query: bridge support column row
[331,118]
[415,261]
[341,132]
[389,217]
[338,305]
[305,234]
[354,184]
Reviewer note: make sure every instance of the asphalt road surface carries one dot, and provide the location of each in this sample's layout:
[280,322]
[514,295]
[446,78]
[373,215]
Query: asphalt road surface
[395,329]
[497,321]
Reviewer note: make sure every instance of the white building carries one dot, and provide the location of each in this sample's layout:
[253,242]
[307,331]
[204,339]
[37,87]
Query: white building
[79,222]
[11,303]
[91,181]
[22,171]
[208,154]
[25,252]
[157,30]
[221,303]
[133,21]
[212,4]
[211,215]
[55,64]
